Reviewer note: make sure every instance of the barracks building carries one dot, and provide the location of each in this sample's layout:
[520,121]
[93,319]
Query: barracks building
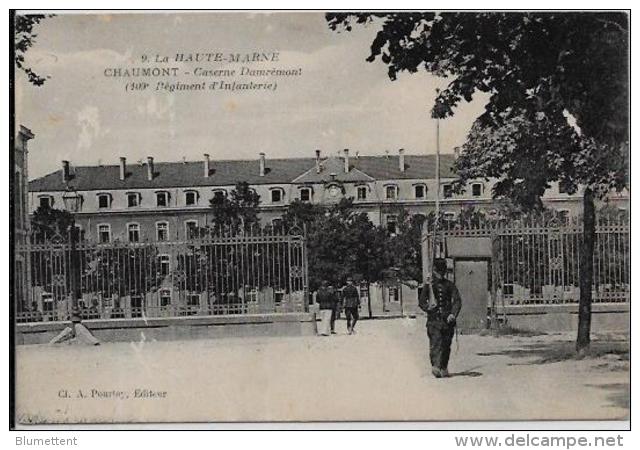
[158,201]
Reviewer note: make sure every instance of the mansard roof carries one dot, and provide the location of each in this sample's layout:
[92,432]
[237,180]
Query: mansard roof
[226,173]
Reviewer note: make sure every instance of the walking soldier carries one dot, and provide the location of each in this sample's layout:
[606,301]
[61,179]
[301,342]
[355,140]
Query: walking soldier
[441,301]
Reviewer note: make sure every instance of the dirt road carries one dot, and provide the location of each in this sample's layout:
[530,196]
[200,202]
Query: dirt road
[380,373]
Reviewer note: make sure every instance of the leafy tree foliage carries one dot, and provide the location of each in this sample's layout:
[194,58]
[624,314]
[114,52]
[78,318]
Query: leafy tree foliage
[341,242]
[24,38]
[237,211]
[558,99]
[121,271]
[47,222]
[403,247]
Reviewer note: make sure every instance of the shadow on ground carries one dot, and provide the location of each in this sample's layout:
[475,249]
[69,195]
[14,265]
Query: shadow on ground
[557,351]
[619,394]
[466,373]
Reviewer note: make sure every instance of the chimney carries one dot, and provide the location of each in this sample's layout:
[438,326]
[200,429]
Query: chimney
[207,165]
[65,171]
[346,160]
[262,163]
[317,161]
[150,168]
[123,167]
[401,159]
[456,152]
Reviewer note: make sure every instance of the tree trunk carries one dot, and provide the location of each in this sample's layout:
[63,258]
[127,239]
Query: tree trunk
[369,299]
[586,273]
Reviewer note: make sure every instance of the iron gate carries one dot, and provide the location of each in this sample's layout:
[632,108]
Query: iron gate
[536,260]
[248,273]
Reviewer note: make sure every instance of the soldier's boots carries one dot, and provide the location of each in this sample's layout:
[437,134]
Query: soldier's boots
[440,373]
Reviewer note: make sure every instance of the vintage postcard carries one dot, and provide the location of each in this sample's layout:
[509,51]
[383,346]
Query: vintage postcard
[320,216]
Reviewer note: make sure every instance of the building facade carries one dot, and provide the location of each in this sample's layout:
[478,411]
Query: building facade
[163,201]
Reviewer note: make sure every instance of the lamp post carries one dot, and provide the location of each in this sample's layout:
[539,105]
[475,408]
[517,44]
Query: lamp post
[80,333]
[72,203]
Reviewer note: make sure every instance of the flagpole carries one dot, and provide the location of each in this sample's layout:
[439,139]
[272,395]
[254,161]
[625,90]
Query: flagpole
[436,246]
[437,168]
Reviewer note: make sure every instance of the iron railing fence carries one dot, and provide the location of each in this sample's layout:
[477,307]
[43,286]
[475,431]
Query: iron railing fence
[537,260]
[249,273]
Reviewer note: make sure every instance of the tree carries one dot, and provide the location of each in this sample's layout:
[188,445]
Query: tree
[48,222]
[558,100]
[340,241]
[301,214]
[237,211]
[24,38]
[403,246]
[121,270]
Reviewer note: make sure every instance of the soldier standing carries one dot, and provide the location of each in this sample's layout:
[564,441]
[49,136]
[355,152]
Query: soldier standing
[442,310]
[337,307]
[327,299]
[351,300]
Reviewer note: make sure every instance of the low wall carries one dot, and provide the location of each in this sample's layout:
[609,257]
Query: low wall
[552,318]
[177,328]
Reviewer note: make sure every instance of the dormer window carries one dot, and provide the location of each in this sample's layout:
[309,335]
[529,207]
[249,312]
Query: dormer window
[361,193]
[133,199]
[162,198]
[476,189]
[305,194]
[219,195]
[104,201]
[46,201]
[277,195]
[191,198]
[420,191]
[391,192]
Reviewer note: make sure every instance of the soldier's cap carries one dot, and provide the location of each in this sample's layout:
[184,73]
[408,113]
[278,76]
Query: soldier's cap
[440,265]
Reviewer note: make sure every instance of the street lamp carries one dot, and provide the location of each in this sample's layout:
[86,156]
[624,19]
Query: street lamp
[72,202]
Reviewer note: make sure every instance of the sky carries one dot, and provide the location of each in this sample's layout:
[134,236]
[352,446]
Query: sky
[338,101]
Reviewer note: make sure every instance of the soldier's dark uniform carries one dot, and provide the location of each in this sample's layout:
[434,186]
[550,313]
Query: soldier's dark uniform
[447,302]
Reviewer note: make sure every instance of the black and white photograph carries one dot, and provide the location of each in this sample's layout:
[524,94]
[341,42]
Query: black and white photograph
[320,217]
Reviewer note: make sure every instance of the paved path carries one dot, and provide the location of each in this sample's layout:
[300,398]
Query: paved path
[378,374]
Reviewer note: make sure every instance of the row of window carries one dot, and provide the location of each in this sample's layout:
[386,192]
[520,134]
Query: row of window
[191,198]
[190,227]
[134,199]
[134,235]
[419,191]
